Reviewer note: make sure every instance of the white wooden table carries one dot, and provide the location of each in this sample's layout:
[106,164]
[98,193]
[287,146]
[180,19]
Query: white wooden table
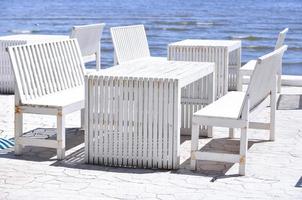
[133,111]
[6,74]
[225,53]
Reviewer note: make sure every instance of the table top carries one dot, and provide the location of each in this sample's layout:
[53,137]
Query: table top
[33,37]
[161,68]
[230,44]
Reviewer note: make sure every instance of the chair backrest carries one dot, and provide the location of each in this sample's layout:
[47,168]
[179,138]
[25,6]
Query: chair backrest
[129,42]
[45,68]
[89,37]
[281,38]
[263,79]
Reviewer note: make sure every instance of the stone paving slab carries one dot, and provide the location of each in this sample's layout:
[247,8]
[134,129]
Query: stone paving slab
[274,169]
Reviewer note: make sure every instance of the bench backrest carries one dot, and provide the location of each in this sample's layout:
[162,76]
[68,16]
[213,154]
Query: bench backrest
[45,68]
[281,38]
[129,42]
[263,80]
[89,38]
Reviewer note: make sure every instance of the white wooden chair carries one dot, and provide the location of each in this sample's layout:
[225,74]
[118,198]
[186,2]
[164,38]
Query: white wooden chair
[248,68]
[49,81]
[129,42]
[233,111]
[89,37]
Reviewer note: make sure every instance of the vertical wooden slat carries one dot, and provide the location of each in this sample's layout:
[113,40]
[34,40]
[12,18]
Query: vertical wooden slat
[95,119]
[165,123]
[160,122]
[125,134]
[145,122]
[155,125]
[105,129]
[130,124]
[150,122]
[135,122]
[120,141]
[140,121]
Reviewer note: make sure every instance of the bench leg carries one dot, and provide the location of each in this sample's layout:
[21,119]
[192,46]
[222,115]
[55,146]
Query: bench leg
[82,118]
[194,144]
[243,150]
[272,115]
[239,82]
[61,136]
[279,83]
[231,133]
[210,131]
[18,132]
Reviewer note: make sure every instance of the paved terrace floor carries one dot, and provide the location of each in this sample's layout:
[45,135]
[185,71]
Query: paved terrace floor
[274,169]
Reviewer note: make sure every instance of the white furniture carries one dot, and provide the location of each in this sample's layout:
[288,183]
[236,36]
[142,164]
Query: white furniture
[133,111]
[129,42]
[233,111]
[6,73]
[248,68]
[49,81]
[225,53]
[89,37]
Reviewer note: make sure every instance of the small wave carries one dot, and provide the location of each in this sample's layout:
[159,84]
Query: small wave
[247,37]
[258,47]
[22,31]
[174,29]
[205,23]
[171,23]
[295,48]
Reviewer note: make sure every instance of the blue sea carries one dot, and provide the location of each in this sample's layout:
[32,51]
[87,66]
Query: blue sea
[255,22]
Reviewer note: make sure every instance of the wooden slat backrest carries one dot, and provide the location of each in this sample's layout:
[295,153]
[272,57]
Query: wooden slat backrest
[88,37]
[45,68]
[264,77]
[130,42]
[281,38]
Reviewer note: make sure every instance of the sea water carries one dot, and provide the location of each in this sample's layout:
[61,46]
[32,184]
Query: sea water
[255,22]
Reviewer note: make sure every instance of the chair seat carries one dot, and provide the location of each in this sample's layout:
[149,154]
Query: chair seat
[248,68]
[228,106]
[60,99]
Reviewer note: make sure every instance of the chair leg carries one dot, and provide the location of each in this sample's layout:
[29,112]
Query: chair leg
[194,144]
[231,133]
[98,59]
[272,115]
[210,131]
[61,136]
[243,150]
[279,83]
[240,77]
[82,118]
[18,132]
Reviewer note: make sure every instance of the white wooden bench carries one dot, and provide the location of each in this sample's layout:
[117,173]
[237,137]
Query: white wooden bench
[49,81]
[233,111]
[89,37]
[248,68]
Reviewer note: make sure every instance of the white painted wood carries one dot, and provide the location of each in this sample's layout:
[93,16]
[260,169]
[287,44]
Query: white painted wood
[146,69]
[148,108]
[47,83]
[61,135]
[225,53]
[89,37]
[248,68]
[6,72]
[233,111]
[130,42]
